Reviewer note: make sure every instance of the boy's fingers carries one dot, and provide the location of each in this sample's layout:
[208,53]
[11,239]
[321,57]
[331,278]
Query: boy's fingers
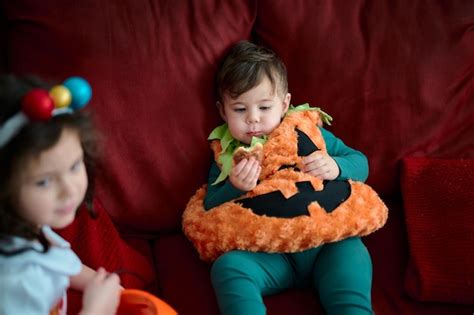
[312,157]
[238,168]
[259,170]
[312,166]
[255,173]
[247,169]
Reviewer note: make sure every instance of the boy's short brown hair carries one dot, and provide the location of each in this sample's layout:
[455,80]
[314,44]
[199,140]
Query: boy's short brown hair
[245,67]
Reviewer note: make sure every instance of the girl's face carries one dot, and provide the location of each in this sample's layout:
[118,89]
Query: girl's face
[51,186]
[254,113]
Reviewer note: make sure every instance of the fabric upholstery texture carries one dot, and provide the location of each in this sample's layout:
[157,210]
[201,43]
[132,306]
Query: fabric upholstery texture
[439,201]
[397,76]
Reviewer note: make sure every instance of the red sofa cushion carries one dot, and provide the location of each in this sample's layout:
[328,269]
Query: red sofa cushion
[151,66]
[397,78]
[438,199]
[383,74]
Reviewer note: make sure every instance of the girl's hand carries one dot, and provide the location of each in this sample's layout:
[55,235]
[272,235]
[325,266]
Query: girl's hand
[244,176]
[102,294]
[321,165]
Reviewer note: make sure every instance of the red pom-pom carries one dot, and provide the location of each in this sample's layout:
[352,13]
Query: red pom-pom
[37,104]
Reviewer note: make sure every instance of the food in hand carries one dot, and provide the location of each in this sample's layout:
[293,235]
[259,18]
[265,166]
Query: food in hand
[241,153]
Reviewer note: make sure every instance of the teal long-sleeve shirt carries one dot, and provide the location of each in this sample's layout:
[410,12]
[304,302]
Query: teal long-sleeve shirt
[352,164]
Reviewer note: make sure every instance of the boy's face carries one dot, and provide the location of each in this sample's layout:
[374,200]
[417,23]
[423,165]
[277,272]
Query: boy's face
[52,185]
[254,113]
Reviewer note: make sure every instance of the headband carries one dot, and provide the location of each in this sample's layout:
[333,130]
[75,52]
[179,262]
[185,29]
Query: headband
[40,105]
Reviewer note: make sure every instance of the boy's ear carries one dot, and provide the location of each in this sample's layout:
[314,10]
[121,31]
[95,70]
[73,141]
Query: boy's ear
[220,107]
[286,102]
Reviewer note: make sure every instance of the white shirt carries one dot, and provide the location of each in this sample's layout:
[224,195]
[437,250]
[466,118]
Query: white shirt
[33,282]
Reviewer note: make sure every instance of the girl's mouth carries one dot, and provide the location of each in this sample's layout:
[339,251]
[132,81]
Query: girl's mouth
[67,209]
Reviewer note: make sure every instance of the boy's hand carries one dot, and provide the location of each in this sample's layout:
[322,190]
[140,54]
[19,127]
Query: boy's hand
[244,176]
[321,165]
[102,294]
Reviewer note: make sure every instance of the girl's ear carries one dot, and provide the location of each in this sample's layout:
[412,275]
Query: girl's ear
[220,107]
[286,102]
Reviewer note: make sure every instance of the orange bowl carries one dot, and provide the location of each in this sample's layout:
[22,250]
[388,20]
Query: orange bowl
[138,302]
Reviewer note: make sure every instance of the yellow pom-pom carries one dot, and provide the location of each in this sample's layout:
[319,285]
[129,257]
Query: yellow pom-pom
[61,96]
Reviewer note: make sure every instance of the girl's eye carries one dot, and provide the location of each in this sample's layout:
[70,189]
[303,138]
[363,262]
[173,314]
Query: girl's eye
[265,107]
[239,110]
[77,166]
[45,182]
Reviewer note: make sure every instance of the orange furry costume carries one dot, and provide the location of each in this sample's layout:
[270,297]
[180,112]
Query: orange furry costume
[231,226]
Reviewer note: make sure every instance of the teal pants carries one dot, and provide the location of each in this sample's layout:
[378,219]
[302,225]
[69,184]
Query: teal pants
[340,272]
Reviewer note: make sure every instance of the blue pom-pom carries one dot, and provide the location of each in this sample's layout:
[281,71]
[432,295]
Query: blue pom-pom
[81,92]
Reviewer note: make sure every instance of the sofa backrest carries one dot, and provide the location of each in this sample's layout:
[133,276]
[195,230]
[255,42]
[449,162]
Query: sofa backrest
[396,76]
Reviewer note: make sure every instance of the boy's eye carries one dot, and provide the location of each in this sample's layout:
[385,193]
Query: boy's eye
[265,107]
[44,182]
[239,109]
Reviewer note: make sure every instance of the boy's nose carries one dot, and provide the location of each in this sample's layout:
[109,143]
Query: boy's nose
[253,118]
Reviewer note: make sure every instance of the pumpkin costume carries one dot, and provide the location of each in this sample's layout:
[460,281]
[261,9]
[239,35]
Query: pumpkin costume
[288,211]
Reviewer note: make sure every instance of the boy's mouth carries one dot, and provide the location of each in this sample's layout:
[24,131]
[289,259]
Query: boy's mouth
[255,133]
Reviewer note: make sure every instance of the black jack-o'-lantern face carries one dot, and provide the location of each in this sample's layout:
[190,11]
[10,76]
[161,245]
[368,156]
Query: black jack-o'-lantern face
[274,204]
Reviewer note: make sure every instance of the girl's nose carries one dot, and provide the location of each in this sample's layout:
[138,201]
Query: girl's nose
[67,187]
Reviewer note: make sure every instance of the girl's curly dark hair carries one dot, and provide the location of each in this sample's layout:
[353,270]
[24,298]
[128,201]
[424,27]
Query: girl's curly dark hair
[31,140]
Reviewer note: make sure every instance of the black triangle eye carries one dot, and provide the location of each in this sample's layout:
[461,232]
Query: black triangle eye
[305,145]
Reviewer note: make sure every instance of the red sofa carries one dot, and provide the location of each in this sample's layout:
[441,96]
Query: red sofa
[397,76]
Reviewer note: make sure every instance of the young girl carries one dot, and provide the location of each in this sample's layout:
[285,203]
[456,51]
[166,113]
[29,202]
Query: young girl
[45,158]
